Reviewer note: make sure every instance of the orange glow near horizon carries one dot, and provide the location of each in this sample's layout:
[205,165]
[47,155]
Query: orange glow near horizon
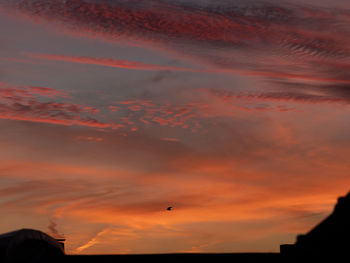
[234,114]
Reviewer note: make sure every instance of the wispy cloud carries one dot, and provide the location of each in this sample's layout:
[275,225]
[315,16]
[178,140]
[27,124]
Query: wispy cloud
[264,39]
[12,91]
[292,93]
[108,62]
[25,103]
[234,167]
[95,240]
[52,227]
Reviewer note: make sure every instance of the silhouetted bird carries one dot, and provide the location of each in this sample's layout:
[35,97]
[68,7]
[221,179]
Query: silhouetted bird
[169,208]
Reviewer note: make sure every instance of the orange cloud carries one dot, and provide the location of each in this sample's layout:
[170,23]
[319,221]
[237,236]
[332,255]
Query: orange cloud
[92,242]
[255,174]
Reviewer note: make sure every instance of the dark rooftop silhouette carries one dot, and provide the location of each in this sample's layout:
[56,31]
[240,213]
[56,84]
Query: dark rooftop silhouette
[28,245]
[328,240]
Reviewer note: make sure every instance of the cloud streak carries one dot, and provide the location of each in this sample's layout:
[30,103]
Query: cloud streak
[13,91]
[95,240]
[303,96]
[264,39]
[115,63]
[45,105]
[25,103]
[244,162]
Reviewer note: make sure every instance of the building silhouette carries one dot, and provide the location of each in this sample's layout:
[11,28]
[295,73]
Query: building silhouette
[328,240]
[28,245]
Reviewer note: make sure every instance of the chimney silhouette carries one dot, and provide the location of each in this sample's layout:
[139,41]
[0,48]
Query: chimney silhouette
[61,241]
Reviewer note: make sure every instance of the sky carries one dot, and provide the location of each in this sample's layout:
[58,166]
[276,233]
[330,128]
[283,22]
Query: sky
[235,113]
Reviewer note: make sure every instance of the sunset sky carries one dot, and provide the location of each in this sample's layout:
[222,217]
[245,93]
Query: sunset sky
[233,112]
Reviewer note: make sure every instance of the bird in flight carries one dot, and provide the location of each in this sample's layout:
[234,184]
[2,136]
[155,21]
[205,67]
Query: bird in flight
[169,208]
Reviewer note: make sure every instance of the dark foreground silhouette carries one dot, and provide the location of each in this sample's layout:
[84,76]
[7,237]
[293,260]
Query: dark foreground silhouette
[27,245]
[330,240]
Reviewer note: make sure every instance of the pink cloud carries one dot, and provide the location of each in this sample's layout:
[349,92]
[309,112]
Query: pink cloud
[10,90]
[170,139]
[318,96]
[90,138]
[116,63]
[242,38]
[25,103]
[113,108]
